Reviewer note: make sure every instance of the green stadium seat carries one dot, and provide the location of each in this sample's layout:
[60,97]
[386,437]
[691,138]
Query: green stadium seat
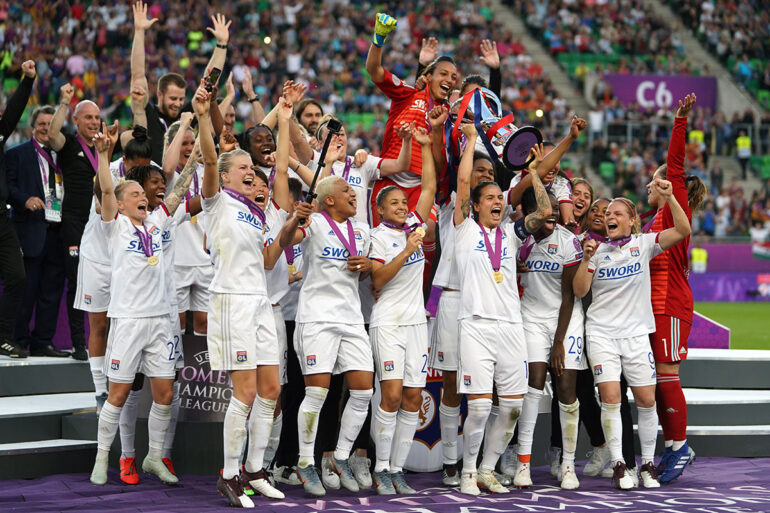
[755,162]
[607,171]
[763,95]
[765,171]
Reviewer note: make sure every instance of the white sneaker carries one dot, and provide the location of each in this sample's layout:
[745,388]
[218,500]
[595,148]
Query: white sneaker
[99,473]
[503,479]
[600,458]
[286,475]
[360,467]
[508,461]
[607,472]
[158,468]
[331,479]
[569,480]
[621,476]
[468,484]
[649,476]
[259,483]
[487,480]
[634,476]
[554,457]
[522,478]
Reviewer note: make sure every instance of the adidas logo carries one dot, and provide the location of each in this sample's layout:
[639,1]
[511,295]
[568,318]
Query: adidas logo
[671,410]
[395,245]
[682,351]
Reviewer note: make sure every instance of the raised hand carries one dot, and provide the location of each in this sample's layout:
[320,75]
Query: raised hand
[685,108]
[469,131]
[28,67]
[420,83]
[663,187]
[141,22]
[489,55]
[246,84]
[284,109]
[384,25]
[102,141]
[66,92]
[186,118]
[201,101]
[360,157]
[229,86]
[577,126]
[428,51]
[437,117]
[294,91]
[227,142]
[421,136]
[221,29]
[270,160]
[538,152]
[112,132]
[139,97]
[405,130]
[589,249]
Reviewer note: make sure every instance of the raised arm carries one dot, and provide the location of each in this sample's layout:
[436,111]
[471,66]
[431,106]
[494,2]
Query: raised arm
[281,193]
[201,105]
[217,120]
[670,237]
[182,183]
[581,283]
[139,99]
[221,31]
[291,233]
[248,89]
[464,170]
[437,117]
[141,24]
[293,92]
[55,138]
[428,181]
[171,154]
[229,96]
[18,101]
[535,220]
[491,58]
[383,26]
[108,200]
[392,166]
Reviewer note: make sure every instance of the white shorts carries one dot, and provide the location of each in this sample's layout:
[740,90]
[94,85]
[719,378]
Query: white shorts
[145,343]
[401,352]
[632,356]
[176,332]
[93,291]
[192,287]
[540,335]
[329,347]
[445,336]
[241,332]
[283,349]
[492,353]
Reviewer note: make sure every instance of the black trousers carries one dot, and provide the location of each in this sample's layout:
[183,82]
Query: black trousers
[291,397]
[42,293]
[12,277]
[72,230]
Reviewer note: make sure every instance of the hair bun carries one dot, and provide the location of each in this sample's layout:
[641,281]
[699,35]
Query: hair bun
[140,133]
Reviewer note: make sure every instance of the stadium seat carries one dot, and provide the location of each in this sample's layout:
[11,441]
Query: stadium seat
[607,171]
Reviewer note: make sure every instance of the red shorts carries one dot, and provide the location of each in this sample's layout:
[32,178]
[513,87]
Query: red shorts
[412,197]
[669,342]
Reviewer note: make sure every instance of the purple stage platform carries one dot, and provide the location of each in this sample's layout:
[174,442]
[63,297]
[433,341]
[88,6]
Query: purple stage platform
[710,485]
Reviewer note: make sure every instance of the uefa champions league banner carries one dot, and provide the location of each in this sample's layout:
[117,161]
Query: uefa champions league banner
[653,92]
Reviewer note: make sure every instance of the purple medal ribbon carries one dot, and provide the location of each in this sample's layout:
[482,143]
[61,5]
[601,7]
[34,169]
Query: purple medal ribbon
[93,158]
[528,246]
[346,171]
[253,207]
[122,169]
[146,240]
[271,178]
[196,187]
[289,252]
[45,156]
[350,242]
[595,236]
[652,212]
[406,228]
[618,242]
[496,253]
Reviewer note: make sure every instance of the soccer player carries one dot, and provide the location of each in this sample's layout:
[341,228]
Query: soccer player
[672,299]
[398,327]
[620,320]
[330,335]
[241,336]
[139,310]
[582,199]
[492,346]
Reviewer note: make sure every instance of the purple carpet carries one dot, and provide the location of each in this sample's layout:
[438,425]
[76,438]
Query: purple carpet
[711,485]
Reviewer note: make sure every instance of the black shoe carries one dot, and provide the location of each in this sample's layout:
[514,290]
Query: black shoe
[49,350]
[232,490]
[8,348]
[80,354]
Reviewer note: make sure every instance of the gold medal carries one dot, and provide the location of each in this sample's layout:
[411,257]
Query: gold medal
[292,269]
[420,230]
[194,220]
[498,276]
[153,260]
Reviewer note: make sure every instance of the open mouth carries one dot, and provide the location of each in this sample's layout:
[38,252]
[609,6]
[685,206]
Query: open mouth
[142,207]
[266,151]
[260,198]
[496,211]
[612,225]
[161,196]
[579,205]
[598,221]
[446,88]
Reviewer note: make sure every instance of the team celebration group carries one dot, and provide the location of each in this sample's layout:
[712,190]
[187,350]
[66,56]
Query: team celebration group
[306,269]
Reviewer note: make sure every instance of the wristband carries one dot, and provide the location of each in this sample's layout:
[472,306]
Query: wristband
[255,99]
[298,164]
[222,46]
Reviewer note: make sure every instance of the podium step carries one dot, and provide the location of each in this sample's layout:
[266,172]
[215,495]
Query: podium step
[24,460]
[726,368]
[39,417]
[41,375]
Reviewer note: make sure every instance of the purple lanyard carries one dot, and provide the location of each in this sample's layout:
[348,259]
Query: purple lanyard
[595,236]
[122,169]
[45,156]
[196,187]
[271,178]
[346,171]
[406,228]
[528,246]
[253,207]
[146,240]
[648,226]
[496,253]
[618,242]
[350,242]
[289,252]
[93,158]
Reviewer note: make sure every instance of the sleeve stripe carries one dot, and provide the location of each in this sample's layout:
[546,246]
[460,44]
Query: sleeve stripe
[565,201]
[590,270]
[572,264]
[379,163]
[163,206]
[380,260]
[417,215]
[275,204]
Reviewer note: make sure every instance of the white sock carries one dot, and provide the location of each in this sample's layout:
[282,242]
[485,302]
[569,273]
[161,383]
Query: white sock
[488,427]
[669,443]
[647,420]
[157,425]
[307,423]
[569,416]
[260,426]
[384,428]
[473,431]
[677,444]
[233,434]
[353,417]
[97,374]
[168,443]
[128,425]
[613,430]
[528,420]
[402,440]
[108,426]
[501,432]
[449,417]
[273,441]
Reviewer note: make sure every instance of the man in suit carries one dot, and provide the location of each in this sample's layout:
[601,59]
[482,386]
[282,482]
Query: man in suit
[35,193]
[11,264]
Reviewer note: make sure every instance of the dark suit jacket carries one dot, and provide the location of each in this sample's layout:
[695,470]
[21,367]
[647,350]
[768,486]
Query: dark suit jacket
[24,180]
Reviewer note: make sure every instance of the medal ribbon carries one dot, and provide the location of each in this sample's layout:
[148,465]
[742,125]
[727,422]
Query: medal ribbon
[93,158]
[253,207]
[618,242]
[146,240]
[350,242]
[346,171]
[495,254]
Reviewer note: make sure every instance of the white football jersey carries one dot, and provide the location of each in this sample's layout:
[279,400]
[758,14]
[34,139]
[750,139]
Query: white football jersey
[93,245]
[291,299]
[235,238]
[542,284]
[446,275]
[190,235]
[401,299]
[560,188]
[621,306]
[482,296]
[138,288]
[278,276]
[359,178]
[330,292]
